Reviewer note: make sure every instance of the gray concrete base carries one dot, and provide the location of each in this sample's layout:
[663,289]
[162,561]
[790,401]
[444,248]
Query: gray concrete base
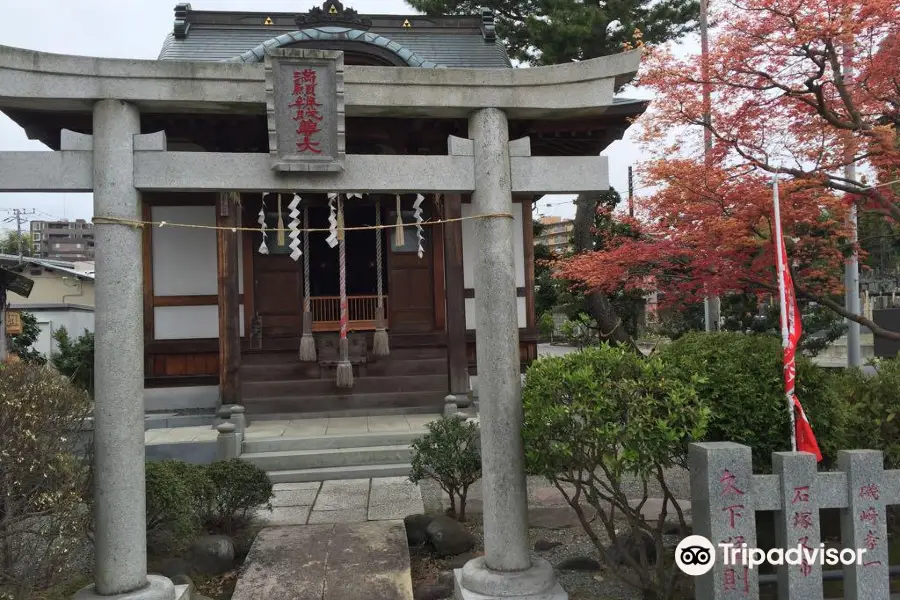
[157,588]
[476,582]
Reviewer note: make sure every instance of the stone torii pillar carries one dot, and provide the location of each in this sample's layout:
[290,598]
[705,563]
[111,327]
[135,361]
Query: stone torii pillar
[506,570]
[120,570]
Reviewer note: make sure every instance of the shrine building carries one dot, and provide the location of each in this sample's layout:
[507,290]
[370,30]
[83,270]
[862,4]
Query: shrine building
[307,178]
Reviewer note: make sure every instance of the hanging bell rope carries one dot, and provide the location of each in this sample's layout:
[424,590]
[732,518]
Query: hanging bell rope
[344,375]
[280,237]
[307,341]
[399,238]
[380,345]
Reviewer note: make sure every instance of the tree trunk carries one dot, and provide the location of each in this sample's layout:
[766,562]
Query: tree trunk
[612,329]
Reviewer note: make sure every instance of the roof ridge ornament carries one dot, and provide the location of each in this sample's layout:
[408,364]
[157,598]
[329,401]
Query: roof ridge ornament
[332,12]
[182,22]
[488,29]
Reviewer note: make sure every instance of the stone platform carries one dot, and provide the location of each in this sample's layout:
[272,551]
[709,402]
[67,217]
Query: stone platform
[328,562]
[344,501]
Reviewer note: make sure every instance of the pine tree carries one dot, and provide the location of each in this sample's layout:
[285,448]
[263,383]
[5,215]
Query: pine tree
[546,32]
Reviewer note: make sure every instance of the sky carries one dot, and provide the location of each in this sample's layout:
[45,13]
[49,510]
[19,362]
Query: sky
[136,29]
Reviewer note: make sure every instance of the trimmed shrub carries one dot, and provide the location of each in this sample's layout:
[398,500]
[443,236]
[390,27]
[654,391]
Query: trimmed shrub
[874,409]
[171,499]
[44,479]
[604,424]
[237,487]
[75,358]
[742,383]
[449,453]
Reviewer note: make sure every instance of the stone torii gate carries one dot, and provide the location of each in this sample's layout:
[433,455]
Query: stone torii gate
[117,163]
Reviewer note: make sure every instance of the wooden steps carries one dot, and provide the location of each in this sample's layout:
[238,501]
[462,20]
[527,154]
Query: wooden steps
[412,378]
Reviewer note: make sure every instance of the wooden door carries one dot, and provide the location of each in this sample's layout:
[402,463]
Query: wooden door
[277,283]
[410,283]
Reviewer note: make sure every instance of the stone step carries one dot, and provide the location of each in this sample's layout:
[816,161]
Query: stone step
[331,442]
[332,473]
[431,401]
[336,457]
[361,385]
[338,412]
[350,561]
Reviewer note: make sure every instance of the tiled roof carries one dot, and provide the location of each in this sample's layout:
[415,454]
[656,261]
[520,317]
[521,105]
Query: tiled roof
[448,48]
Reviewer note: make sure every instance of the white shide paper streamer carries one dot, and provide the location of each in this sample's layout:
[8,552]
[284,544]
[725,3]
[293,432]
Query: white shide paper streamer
[418,215]
[263,249]
[332,239]
[294,227]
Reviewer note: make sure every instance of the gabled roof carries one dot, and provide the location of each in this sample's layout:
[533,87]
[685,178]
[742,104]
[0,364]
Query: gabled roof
[437,41]
[51,265]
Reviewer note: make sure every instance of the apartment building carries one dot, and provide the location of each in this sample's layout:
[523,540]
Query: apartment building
[63,240]
[556,234]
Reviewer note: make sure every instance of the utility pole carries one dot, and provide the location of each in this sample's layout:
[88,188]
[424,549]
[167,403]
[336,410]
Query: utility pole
[710,303]
[851,268]
[17,215]
[630,192]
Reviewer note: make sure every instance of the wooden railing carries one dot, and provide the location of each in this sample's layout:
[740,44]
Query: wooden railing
[326,311]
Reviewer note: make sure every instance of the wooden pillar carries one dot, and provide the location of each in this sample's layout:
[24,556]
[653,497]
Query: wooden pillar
[228,215]
[455,295]
[528,245]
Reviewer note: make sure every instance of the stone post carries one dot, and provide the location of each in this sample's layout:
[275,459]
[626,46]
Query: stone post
[724,512]
[507,570]
[119,487]
[226,441]
[864,524]
[797,523]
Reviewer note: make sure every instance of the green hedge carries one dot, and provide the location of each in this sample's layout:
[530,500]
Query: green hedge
[742,382]
[183,498]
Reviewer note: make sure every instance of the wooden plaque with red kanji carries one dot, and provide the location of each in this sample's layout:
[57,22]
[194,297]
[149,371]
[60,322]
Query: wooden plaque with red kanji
[305,106]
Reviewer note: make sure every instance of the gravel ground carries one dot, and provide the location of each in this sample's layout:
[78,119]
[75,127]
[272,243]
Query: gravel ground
[601,585]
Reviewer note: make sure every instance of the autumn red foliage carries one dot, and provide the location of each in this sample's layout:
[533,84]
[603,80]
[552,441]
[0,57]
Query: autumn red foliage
[800,88]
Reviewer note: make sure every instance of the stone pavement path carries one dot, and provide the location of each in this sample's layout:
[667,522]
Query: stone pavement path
[344,501]
[342,561]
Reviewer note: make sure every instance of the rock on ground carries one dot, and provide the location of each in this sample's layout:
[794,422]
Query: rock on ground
[448,537]
[628,544]
[544,545]
[213,554]
[416,529]
[579,563]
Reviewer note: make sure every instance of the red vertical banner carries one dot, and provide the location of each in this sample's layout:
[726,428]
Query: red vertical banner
[791,330]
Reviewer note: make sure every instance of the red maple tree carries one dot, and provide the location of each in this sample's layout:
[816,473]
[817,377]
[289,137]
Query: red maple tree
[799,88]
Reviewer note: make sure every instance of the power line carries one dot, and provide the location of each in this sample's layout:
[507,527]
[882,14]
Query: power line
[17,215]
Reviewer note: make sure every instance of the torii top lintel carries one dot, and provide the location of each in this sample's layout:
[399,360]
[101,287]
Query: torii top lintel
[45,81]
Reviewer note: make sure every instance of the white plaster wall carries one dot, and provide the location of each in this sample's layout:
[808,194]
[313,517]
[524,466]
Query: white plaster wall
[188,322]
[468,243]
[184,264]
[50,321]
[184,259]
[470,247]
[521,310]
